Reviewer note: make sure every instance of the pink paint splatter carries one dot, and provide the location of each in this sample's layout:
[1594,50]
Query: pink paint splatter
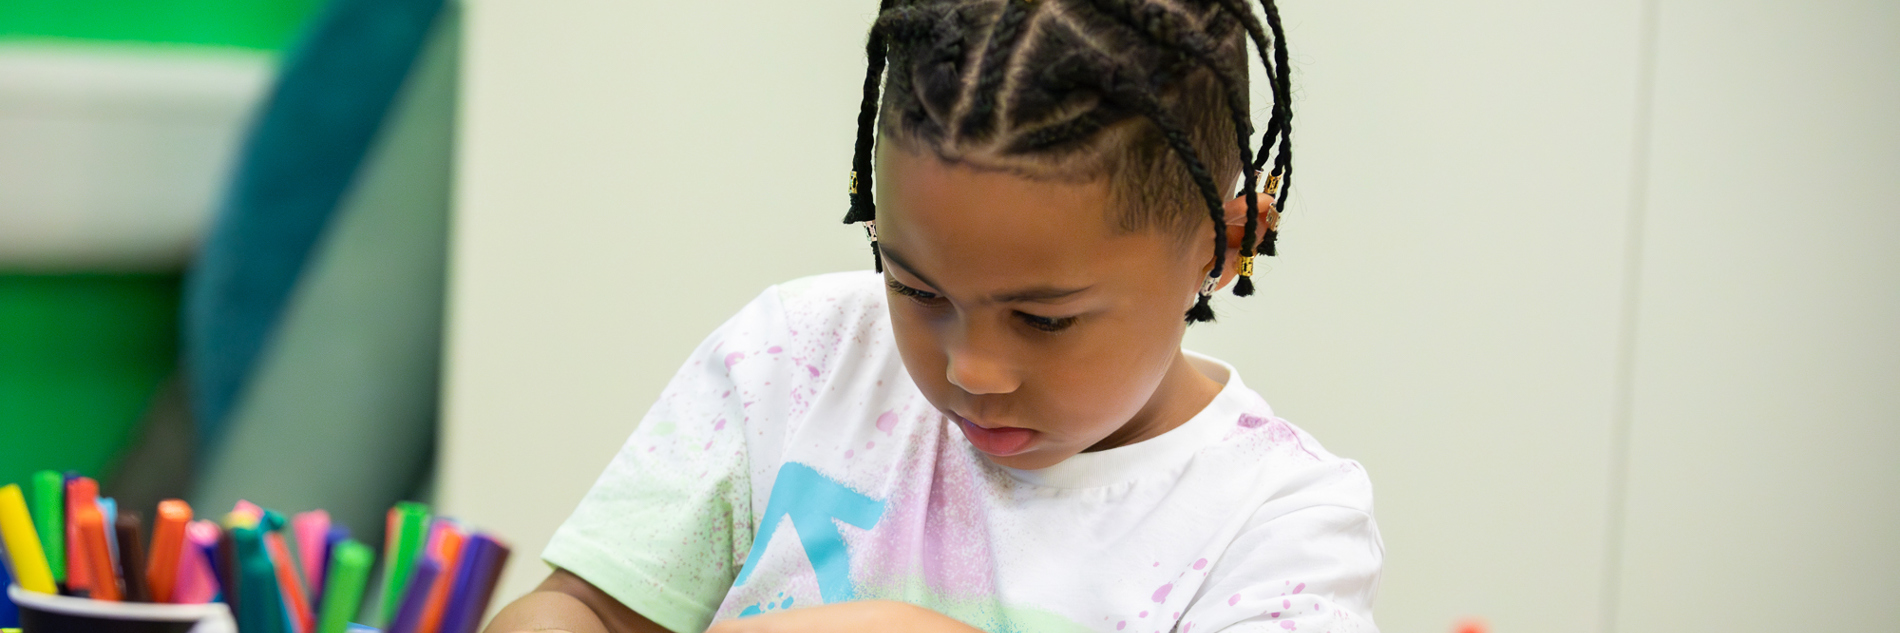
[1299,588]
[1286,604]
[1287,624]
[1200,564]
[1275,615]
[1157,563]
[887,421]
[773,349]
[734,358]
[719,425]
[1162,593]
[726,394]
[1233,600]
[1251,421]
[1144,614]
[813,370]
[708,445]
[869,445]
[848,453]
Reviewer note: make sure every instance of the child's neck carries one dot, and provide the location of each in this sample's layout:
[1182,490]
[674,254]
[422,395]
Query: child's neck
[1183,392]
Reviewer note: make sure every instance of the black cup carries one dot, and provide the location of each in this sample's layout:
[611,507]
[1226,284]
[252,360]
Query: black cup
[43,613]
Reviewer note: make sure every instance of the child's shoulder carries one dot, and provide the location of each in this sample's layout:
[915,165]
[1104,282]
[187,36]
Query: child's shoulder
[819,304]
[820,314]
[808,333]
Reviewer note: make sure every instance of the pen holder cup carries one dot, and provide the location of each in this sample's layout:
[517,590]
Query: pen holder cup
[42,613]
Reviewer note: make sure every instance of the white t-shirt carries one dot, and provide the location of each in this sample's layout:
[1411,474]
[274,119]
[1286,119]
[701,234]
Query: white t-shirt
[792,462]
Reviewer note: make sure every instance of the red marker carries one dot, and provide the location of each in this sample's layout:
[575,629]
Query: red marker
[296,600]
[81,492]
[168,542]
[97,558]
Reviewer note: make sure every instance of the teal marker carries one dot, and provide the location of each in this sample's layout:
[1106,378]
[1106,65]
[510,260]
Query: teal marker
[49,517]
[262,610]
[343,586]
[408,526]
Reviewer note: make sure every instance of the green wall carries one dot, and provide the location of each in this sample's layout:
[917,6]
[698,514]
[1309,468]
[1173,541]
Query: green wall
[82,355]
[256,24]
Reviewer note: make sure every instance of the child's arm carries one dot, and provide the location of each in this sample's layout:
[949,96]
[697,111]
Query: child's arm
[565,602]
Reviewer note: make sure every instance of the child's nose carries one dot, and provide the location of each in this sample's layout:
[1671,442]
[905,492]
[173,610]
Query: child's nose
[978,369]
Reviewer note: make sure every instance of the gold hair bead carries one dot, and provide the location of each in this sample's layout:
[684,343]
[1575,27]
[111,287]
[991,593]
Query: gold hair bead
[854,182]
[1273,185]
[870,230]
[1245,266]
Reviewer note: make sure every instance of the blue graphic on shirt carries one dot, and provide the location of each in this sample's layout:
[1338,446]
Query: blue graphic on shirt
[813,500]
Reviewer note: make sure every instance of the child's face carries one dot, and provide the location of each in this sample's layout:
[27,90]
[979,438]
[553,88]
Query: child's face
[1027,317]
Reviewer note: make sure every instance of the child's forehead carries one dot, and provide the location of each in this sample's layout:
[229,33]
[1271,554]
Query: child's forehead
[1122,207]
[997,228]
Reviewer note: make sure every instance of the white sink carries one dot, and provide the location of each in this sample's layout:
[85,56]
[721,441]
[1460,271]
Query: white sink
[112,157]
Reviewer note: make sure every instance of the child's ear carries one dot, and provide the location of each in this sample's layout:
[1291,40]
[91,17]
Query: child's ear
[1236,212]
[1236,218]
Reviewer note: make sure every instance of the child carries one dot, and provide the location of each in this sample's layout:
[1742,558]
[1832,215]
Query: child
[1000,432]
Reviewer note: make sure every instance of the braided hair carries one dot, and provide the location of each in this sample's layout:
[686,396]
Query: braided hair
[1088,88]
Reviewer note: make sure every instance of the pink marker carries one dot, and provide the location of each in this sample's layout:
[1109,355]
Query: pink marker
[311,529]
[197,583]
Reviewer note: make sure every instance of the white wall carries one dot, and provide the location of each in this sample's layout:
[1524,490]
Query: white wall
[1764,486]
[1598,292]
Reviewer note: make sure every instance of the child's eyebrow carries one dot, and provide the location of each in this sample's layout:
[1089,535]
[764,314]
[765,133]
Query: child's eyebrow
[1037,293]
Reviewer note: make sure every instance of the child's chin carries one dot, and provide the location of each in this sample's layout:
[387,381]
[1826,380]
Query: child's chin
[1031,460]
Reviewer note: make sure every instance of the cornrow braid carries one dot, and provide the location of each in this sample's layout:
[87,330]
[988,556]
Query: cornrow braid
[1184,147]
[1243,284]
[982,117]
[1283,117]
[1165,28]
[1068,84]
[863,203]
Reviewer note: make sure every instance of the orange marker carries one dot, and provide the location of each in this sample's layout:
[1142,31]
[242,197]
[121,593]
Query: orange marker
[168,540]
[98,559]
[81,492]
[296,600]
[448,551]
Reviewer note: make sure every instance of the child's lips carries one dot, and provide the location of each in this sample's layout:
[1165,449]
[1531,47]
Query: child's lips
[1002,441]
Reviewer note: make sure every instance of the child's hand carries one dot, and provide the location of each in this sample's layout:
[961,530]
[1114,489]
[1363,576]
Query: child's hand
[870,616]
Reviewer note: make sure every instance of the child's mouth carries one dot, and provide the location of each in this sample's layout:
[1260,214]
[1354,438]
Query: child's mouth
[1002,441]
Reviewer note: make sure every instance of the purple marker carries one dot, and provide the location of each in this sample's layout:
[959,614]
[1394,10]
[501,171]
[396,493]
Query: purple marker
[482,560]
[415,597]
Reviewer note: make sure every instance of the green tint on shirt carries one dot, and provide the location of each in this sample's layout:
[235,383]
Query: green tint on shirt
[255,24]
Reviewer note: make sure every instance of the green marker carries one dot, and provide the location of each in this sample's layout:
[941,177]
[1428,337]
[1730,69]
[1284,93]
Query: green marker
[49,517]
[343,586]
[408,526]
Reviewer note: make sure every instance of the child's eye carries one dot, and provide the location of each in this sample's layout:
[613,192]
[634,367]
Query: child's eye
[919,296]
[1046,324]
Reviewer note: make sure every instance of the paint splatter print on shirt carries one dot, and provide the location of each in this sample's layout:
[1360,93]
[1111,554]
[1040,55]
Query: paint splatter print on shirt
[791,462]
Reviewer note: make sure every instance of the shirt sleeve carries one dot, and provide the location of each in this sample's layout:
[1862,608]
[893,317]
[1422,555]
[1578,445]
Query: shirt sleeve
[668,523]
[1315,569]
